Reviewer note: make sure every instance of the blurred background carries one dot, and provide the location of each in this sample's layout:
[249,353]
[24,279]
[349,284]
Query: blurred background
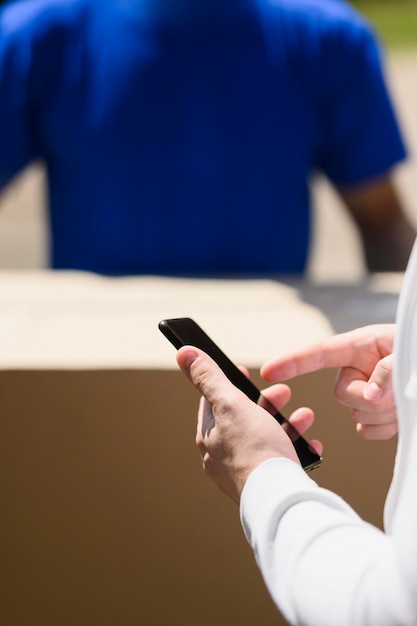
[336,254]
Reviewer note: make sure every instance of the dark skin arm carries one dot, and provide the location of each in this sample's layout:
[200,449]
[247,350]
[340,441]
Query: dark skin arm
[386,233]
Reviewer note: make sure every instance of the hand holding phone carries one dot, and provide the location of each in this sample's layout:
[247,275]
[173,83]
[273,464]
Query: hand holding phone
[185,331]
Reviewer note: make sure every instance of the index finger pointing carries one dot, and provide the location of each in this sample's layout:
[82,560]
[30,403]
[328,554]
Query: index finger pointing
[337,351]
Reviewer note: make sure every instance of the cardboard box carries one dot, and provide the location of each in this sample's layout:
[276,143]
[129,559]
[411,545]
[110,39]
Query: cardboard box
[107,517]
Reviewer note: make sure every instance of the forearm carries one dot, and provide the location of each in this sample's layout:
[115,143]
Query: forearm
[320,562]
[386,233]
[387,248]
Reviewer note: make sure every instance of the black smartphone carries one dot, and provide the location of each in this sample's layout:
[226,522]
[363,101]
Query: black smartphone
[184,331]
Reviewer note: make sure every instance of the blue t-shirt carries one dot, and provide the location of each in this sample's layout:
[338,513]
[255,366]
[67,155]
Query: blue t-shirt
[182,143]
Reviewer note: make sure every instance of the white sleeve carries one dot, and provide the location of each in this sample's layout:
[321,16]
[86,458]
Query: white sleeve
[322,564]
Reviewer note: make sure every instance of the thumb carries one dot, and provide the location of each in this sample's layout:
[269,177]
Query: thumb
[204,373]
[379,387]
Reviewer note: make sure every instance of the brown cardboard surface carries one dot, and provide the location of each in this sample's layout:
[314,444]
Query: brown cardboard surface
[107,517]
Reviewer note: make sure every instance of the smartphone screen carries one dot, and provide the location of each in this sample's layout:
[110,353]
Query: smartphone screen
[185,331]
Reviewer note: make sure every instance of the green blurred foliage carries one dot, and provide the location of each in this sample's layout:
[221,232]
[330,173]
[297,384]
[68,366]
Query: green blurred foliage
[395,20]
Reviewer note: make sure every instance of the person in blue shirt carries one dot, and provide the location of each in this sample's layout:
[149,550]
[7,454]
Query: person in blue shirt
[180,137]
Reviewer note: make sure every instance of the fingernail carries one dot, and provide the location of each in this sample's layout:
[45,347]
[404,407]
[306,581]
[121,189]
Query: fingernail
[191,357]
[373,392]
